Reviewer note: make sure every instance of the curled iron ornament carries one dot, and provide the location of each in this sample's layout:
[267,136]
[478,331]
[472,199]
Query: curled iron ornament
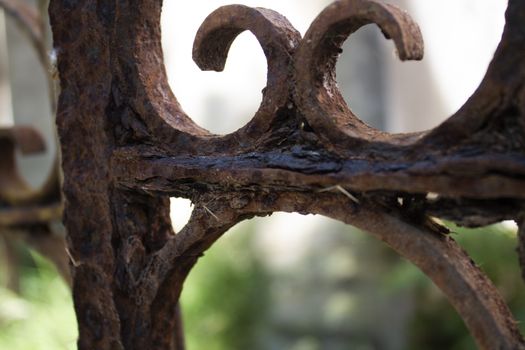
[310,73]
[317,92]
[303,151]
[278,40]
[303,78]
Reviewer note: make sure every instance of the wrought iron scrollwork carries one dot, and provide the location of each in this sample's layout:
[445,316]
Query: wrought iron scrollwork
[128,145]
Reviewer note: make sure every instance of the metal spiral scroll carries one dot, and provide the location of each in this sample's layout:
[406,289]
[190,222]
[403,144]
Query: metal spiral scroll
[303,151]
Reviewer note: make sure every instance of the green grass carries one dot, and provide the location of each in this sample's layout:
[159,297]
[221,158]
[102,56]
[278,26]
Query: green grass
[41,317]
[223,301]
[225,297]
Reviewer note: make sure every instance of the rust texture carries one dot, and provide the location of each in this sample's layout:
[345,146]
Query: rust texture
[27,213]
[127,146]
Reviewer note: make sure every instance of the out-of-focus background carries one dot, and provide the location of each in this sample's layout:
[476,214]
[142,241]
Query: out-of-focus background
[288,281]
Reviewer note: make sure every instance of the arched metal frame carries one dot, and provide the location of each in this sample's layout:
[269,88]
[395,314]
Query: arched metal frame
[127,146]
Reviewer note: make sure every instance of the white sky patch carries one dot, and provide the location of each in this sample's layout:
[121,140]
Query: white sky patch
[180,212]
[461,37]
[510,225]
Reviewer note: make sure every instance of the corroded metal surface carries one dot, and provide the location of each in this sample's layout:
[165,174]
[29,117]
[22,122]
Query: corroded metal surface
[127,146]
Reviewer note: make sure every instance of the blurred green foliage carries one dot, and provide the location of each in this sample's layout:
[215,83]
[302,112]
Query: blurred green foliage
[436,325]
[226,298]
[41,315]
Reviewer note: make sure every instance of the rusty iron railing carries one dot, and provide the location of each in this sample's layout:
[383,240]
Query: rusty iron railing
[28,213]
[127,146]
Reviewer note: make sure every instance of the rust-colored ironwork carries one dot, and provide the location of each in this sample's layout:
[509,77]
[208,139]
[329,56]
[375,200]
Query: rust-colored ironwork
[127,146]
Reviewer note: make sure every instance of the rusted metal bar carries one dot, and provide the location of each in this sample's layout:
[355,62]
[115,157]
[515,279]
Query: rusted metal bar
[127,145]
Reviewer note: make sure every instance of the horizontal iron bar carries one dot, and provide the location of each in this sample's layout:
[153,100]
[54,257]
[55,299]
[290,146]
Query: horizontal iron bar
[481,177]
